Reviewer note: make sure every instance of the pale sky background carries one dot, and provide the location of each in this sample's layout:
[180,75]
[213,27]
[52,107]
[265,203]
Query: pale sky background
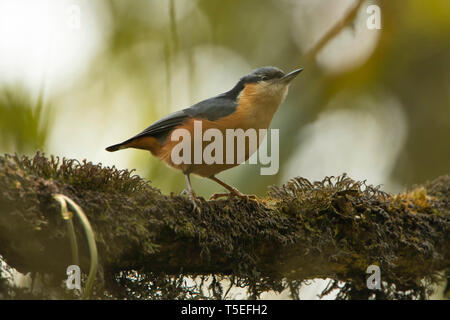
[40,47]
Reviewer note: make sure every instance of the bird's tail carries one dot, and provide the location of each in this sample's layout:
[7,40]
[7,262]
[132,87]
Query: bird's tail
[116,147]
[144,142]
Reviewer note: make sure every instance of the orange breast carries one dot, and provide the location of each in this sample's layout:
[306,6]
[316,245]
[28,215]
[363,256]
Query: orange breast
[255,111]
[206,170]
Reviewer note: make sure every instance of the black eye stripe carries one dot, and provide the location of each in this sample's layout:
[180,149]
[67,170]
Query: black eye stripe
[255,77]
[265,77]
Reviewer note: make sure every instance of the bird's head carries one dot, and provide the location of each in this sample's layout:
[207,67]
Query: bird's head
[270,76]
[266,83]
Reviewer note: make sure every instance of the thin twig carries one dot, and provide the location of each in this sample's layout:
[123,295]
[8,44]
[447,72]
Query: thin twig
[333,31]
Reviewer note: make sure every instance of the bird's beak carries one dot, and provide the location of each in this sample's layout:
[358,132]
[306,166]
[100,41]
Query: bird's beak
[290,76]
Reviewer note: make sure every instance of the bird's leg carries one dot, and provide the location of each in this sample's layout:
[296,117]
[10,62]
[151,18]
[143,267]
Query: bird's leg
[191,193]
[233,191]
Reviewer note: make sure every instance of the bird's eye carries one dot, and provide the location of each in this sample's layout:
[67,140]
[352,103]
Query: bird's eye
[264,78]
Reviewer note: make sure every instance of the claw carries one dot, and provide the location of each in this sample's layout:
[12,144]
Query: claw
[233,192]
[195,202]
[195,205]
[219,195]
[246,197]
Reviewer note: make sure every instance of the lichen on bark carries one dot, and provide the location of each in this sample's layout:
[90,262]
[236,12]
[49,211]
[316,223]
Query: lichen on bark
[154,246]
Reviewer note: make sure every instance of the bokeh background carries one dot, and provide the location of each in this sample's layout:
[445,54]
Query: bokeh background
[78,76]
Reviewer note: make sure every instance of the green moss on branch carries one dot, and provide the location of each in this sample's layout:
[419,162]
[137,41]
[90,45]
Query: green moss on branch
[149,243]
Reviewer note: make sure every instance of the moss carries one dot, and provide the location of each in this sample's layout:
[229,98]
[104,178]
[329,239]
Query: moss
[150,243]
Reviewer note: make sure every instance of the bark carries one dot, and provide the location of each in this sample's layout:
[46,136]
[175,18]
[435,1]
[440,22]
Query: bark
[150,243]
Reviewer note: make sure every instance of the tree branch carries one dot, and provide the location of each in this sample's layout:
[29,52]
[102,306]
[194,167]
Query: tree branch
[346,19]
[151,242]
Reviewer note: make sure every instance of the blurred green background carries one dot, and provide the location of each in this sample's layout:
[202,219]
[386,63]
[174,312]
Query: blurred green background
[78,76]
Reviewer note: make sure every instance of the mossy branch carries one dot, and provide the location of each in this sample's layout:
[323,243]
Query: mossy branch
[150,243]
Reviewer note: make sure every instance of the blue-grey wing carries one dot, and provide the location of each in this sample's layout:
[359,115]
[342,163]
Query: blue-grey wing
[211,109]
[163,126]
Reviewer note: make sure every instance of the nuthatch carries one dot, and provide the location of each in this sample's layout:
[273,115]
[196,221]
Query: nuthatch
[250,104]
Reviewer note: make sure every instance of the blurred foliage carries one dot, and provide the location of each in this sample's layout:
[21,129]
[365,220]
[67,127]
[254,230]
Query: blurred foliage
[158,53]
[24,124]
[147,43]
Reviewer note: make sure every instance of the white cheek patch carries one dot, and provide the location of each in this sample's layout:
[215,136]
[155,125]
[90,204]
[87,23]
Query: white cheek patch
[279,91]
[285,92]
[275,92]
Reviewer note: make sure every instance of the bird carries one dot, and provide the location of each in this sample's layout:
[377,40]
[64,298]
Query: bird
[250,104]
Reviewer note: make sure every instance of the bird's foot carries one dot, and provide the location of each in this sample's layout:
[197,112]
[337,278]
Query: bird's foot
[195,206]
[193,199]
[195,203]
[236,193]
